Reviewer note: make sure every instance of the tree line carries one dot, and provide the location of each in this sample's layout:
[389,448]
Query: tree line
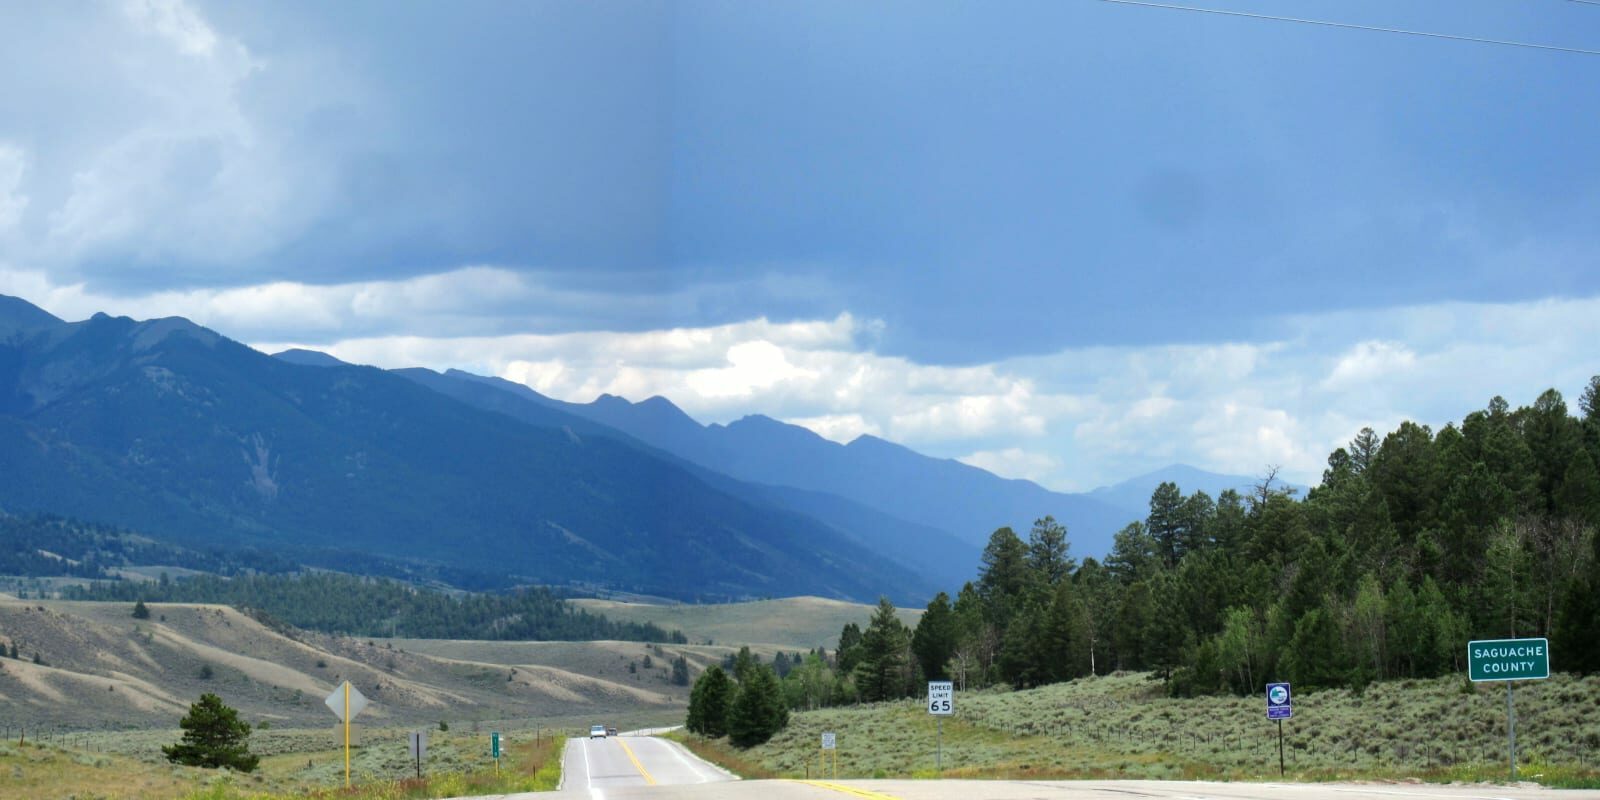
[48,545]
[346,604]
[1412,544]
[748,707]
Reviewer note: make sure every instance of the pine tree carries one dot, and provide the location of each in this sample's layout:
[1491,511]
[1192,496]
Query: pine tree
[213,736]
[744,663]
[880,674]
[1165,522]
[849,648]
[758,711]
[708,703]
[140,610]
[680,671]
[1004,577]
[1047,551]
[934,640]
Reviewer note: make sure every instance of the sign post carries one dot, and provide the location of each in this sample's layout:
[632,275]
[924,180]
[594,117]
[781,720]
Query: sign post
[494,750]
[346,702]
[419,748]
[829,745]
[1509,660]
[1280,706]
[941,704]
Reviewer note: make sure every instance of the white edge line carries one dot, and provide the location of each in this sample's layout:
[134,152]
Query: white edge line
[686,754]
[698,772]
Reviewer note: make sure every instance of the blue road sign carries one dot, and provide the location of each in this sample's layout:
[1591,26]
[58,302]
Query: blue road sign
[1279,704]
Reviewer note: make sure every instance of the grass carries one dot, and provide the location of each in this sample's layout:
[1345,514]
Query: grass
[1122,726]
[791,623]
[295,765]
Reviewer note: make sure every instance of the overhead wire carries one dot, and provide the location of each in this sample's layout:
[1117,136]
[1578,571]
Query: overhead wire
[1353,26]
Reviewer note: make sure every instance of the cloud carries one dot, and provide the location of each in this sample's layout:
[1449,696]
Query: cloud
[13,161]
[841,428]
[1014,462]
[176,22]
[1368,361]
[1077,417]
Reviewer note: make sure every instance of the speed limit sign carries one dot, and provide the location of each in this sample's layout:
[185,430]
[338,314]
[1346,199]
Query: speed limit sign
[941,698]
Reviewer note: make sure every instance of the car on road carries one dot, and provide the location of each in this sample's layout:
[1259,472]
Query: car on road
[597,731]
[611,731]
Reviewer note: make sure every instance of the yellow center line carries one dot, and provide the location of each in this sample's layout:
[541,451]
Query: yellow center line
[839,787]
[636,765]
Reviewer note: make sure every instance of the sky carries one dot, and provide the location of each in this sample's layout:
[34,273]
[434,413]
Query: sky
[1071,241]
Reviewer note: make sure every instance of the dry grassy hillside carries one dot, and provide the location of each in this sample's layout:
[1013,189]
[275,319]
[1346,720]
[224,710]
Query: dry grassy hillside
[617,662]
[790,623]
[104,669]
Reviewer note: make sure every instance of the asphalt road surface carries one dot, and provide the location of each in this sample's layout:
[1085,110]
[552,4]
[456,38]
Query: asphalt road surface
[648,768]
[602,768]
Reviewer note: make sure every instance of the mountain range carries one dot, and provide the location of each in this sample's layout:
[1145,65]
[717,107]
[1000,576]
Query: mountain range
[180,432]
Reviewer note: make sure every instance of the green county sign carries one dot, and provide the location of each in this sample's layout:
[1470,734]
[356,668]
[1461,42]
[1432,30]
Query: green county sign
[1508,659]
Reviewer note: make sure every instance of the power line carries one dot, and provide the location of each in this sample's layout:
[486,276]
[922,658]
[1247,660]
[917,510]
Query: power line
[1330,24]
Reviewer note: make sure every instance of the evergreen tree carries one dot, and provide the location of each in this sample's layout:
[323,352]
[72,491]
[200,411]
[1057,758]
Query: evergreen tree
[1575,637]
[880,675]
[1133,554]
[140,611]
[708,703]
[849,648]
[1004,577]
[758,711]
[1025,652]
[213,736]
[1194,522]
[1047,551]
[1552,437]
[680,671]
[934,640]
[1363,450]
[977,640]
[744,663]
[1316,657]
[1579,495]
[1165,522]
[1134,620]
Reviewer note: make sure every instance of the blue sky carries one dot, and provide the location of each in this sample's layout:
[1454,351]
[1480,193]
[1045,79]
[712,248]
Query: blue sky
[1069,240]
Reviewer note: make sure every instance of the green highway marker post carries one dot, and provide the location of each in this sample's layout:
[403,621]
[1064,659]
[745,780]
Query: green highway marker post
[494,749]
[1509,660]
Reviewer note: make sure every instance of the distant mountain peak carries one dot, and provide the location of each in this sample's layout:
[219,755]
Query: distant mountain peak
[309,358]
[153,332]
[20,316]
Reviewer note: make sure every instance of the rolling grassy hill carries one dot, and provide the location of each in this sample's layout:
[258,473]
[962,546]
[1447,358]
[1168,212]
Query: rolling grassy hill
[103,669]
[1123,726]
[792,623]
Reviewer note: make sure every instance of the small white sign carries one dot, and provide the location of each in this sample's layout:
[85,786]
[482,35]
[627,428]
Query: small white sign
[419,744]
[941,698]
[335,701]
[828,741]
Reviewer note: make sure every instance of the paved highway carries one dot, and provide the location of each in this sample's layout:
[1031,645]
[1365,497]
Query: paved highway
[647,768]
[602,767]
